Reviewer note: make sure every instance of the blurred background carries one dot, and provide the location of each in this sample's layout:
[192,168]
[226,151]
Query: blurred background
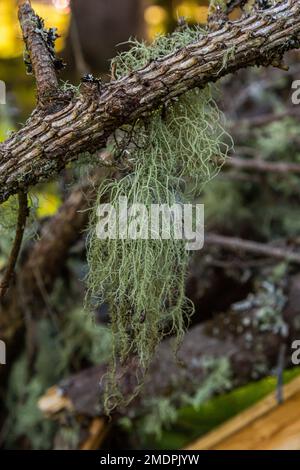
[243,201]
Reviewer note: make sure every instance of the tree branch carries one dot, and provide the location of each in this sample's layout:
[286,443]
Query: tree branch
[50,139]
[42,62]
[262,166]
[13,258]
[237,244]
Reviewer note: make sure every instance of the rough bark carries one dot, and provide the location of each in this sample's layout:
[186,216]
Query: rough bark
[235,245]
[51,139]
[42,64]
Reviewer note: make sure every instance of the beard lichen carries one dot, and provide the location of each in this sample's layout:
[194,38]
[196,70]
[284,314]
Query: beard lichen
[171,155]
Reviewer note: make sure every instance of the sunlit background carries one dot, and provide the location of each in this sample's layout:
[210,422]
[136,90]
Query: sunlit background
[156,16]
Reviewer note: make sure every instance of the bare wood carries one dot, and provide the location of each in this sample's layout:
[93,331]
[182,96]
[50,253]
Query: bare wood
[239,245]
[48,142]
[231,433]
[98,430]
[54,402]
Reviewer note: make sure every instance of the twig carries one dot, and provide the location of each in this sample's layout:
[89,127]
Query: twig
[265,119]
[42,63]
[279,373]
[262,166]
[237,244]
[22,216]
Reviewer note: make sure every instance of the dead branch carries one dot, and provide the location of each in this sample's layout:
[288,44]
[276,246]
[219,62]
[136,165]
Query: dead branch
[265,119]
[262,166]
[41,61]
[238,245]
[52,138]
[13,258]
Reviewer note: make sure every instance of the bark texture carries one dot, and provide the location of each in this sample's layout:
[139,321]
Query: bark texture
[53,137]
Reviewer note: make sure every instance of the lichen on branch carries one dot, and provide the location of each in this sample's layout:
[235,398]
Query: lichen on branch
[172,153]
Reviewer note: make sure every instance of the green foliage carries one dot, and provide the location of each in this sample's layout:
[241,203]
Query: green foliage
[278,138]
[224,204]
[84,338]
[161,413]
[58,354]
[25,419]
[67,87]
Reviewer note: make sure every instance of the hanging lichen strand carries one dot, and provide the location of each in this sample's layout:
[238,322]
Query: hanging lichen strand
[172,154]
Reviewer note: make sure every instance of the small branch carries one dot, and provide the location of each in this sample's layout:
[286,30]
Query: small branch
[41,60]
[265,119]
[22,216]
[262,166]
[237,244]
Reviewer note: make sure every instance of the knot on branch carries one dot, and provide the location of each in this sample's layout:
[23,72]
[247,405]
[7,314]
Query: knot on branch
[91,86]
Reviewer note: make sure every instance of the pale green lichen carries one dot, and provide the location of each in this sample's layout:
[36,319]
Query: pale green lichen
[172,154]
[141,53]
[218,380]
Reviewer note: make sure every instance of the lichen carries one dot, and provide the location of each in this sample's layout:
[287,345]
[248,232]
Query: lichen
[141,53]
[169,157]
[217,380]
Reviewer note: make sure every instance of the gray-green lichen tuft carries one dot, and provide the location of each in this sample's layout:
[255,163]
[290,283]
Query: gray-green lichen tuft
[172,155]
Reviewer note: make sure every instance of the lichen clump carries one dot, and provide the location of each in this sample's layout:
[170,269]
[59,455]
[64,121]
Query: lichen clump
[170,155]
